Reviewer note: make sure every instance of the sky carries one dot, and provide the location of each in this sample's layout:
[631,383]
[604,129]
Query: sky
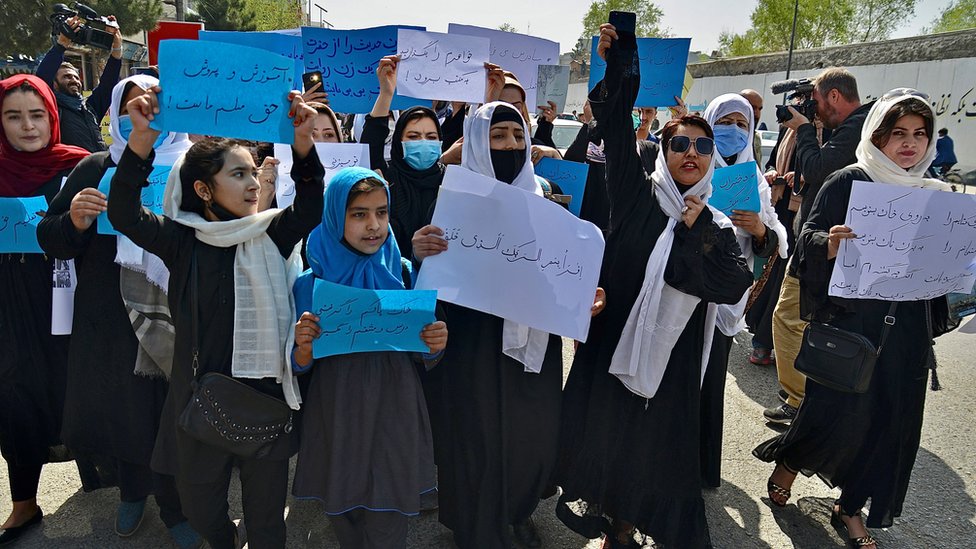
[561,20]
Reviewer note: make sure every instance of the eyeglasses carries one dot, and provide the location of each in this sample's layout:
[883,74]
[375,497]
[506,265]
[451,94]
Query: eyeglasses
[703,145]
[898,92]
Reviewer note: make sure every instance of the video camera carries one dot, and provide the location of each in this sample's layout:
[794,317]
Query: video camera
[801,88]
[87,33]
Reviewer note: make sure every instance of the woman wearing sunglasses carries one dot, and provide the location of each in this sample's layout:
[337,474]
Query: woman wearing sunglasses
[865,444]
[629,444]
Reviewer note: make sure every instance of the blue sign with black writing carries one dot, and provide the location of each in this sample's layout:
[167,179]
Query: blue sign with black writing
[19,218]
[288,45]
[348,60]
[354,320]
[735,188]
[225,90]
[152,195]
[662,69]
[570,176]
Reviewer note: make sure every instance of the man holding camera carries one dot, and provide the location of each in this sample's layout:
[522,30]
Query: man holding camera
[80,117]
[839,108]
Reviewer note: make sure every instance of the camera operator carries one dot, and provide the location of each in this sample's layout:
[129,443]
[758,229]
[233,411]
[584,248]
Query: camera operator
[839,109]
[80,117]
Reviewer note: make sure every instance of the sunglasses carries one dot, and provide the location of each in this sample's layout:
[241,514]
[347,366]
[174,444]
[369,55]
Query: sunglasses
[680,144]
[897,92]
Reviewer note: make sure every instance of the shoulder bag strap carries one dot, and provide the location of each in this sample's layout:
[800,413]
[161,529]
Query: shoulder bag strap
[194,311]
[889,321]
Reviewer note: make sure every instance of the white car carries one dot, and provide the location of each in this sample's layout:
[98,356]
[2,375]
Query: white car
[768,142]
[564,132]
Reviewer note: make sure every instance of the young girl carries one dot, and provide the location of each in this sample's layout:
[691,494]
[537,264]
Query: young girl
[367,450]
[245,262]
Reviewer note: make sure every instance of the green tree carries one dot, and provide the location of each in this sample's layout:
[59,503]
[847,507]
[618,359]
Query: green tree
[233,15]
[648,17]
[819,24]
[507,27]
[958,15]
[276,14]
[29,29]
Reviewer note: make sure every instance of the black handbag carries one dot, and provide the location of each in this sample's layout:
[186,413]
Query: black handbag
[838,359]
[226,413]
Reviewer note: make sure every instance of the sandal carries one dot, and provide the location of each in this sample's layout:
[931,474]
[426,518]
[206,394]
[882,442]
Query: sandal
[775,489]
[837,521]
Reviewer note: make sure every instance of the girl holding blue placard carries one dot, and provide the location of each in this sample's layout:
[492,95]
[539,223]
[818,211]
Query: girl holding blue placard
[367,451]
[33,162]
[231,270]
[115,372]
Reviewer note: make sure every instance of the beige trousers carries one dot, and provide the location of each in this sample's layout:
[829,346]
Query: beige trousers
[787,337]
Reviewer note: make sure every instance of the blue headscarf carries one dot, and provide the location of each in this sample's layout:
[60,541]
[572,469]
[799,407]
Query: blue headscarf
[333,260]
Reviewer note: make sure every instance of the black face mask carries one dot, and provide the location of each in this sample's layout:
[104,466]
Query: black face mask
[507,164]
[221,213]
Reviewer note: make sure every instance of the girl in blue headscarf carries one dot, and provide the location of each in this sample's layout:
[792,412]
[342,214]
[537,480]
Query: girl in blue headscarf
[367,450]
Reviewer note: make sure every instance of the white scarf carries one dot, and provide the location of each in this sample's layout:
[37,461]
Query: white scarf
[524,344]
[731,318]
[660,313]
[128,255]
[264,306]
[882,169]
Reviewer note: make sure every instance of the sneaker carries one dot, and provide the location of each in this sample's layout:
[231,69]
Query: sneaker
[762,357]
[782,414]
[129,517]
[185,537]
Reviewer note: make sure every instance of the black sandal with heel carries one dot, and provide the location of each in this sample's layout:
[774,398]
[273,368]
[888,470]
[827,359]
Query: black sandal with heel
[775,489]
[837,521]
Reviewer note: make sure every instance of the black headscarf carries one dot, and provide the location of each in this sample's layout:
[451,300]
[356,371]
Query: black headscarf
[412,191]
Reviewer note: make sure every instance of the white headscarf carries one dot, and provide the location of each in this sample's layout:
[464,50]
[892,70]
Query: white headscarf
[264,306]
[524,344]
[882,169]
[731,317]
[128,255]
[660,313]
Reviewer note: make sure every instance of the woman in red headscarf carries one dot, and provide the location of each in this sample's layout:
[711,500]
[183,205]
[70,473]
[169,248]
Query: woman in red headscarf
[33,162]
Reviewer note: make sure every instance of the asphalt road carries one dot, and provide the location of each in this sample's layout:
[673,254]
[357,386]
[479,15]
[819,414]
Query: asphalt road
[939,510]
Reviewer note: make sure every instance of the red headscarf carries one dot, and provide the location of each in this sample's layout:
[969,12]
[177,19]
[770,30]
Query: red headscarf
[22,173]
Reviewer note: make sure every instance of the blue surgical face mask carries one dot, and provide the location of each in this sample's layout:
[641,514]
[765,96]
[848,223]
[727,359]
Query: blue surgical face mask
[730,139]
[421,154]
[125,129]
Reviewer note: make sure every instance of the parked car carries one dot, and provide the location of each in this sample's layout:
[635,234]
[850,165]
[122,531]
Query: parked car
[768,142]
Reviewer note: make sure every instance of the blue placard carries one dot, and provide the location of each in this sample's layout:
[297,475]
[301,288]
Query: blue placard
[152,195]
[225,90]
[288,45]
[570,176]
[735,188]
[354,320]
[19,218]
[348,60]
[662,67]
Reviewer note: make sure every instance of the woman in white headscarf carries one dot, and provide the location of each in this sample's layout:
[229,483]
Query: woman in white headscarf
[495,398]
[865,444]
[760,234]
[115,390]
[629,441]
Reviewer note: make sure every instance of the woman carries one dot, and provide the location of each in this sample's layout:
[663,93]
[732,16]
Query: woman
[247,261]
[495,410]
[366,450]
[113,401]
[327,128]
[33,162]
[865,444]
[588,148]
[414,170]
[760,234]
[629,442]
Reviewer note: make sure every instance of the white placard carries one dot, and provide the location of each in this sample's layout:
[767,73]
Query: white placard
[553,85]
[911,244]
[334,157]
[63,296]
[514,255]
[435,65]
[519,53]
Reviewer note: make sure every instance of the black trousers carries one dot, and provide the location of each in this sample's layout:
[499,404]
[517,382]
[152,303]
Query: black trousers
[363,529]
[24,480]
[137,482]
[264,486]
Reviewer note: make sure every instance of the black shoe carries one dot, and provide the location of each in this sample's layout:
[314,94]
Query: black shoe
[782,414]
[11,535]
[783,395]
[526,534]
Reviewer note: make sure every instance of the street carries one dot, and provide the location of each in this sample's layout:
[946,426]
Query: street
[939,511]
